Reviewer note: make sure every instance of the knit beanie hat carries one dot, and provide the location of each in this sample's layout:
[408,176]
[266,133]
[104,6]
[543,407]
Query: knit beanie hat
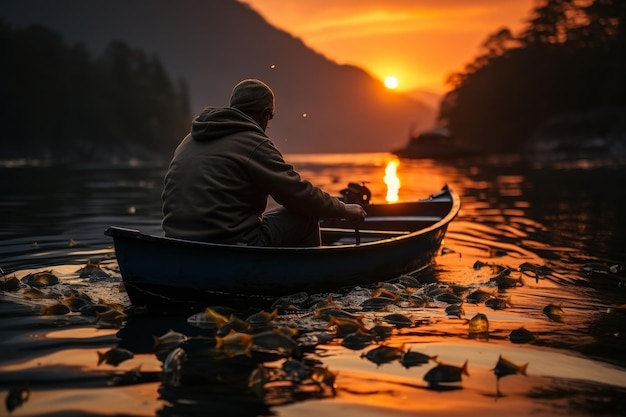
[252,95]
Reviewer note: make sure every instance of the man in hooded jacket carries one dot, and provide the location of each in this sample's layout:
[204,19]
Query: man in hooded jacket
[221,176]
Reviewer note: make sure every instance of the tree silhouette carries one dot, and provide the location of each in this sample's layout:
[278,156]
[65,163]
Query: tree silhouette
[60,103]
[570,57]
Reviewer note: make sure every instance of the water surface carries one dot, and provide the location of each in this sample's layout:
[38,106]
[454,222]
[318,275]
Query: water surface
[562,216]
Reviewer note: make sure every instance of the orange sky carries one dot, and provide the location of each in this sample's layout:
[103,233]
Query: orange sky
[418,41]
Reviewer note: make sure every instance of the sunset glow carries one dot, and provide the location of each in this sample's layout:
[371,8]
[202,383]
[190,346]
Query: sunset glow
[392,181]
[391,82]
[421,42]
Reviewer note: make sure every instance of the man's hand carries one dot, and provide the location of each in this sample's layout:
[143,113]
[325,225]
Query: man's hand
[355,213]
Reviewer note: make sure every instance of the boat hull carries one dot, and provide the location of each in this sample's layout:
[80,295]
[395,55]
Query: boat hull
[161,273]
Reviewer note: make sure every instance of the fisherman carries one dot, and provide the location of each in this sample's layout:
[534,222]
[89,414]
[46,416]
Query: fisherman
[223,172]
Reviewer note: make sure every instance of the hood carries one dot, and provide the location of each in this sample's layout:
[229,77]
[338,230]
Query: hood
[217,122]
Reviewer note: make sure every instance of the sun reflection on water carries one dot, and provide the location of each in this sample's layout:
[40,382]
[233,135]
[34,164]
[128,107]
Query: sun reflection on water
[392,181]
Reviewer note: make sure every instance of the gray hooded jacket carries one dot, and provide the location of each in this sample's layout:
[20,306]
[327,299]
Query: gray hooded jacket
[219,180]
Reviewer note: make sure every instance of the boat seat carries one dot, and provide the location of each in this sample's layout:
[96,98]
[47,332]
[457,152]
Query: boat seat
[334,236]
[364,232]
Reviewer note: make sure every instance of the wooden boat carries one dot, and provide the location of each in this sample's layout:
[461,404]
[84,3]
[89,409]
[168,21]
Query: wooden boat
[165,274]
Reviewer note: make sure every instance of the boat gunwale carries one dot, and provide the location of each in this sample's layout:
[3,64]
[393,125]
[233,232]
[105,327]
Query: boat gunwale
[127,233]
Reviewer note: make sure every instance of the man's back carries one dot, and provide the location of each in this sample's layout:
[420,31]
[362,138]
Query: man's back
[218,183]
[209,194]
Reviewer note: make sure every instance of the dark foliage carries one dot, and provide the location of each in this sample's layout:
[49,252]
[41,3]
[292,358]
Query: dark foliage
[60,103]
[570,58]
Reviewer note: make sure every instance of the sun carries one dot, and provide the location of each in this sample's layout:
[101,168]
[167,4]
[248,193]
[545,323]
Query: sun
[391,82]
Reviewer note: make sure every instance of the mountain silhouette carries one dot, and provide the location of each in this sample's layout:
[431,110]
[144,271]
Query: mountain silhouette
[320,106]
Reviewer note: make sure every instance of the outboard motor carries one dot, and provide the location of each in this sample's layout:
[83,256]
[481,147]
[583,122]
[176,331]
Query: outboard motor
[356,194]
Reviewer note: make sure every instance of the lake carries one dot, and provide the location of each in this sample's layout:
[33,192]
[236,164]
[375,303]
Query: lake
[556,224]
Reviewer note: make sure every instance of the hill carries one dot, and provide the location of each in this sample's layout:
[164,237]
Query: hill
[559,81]
[321,106]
